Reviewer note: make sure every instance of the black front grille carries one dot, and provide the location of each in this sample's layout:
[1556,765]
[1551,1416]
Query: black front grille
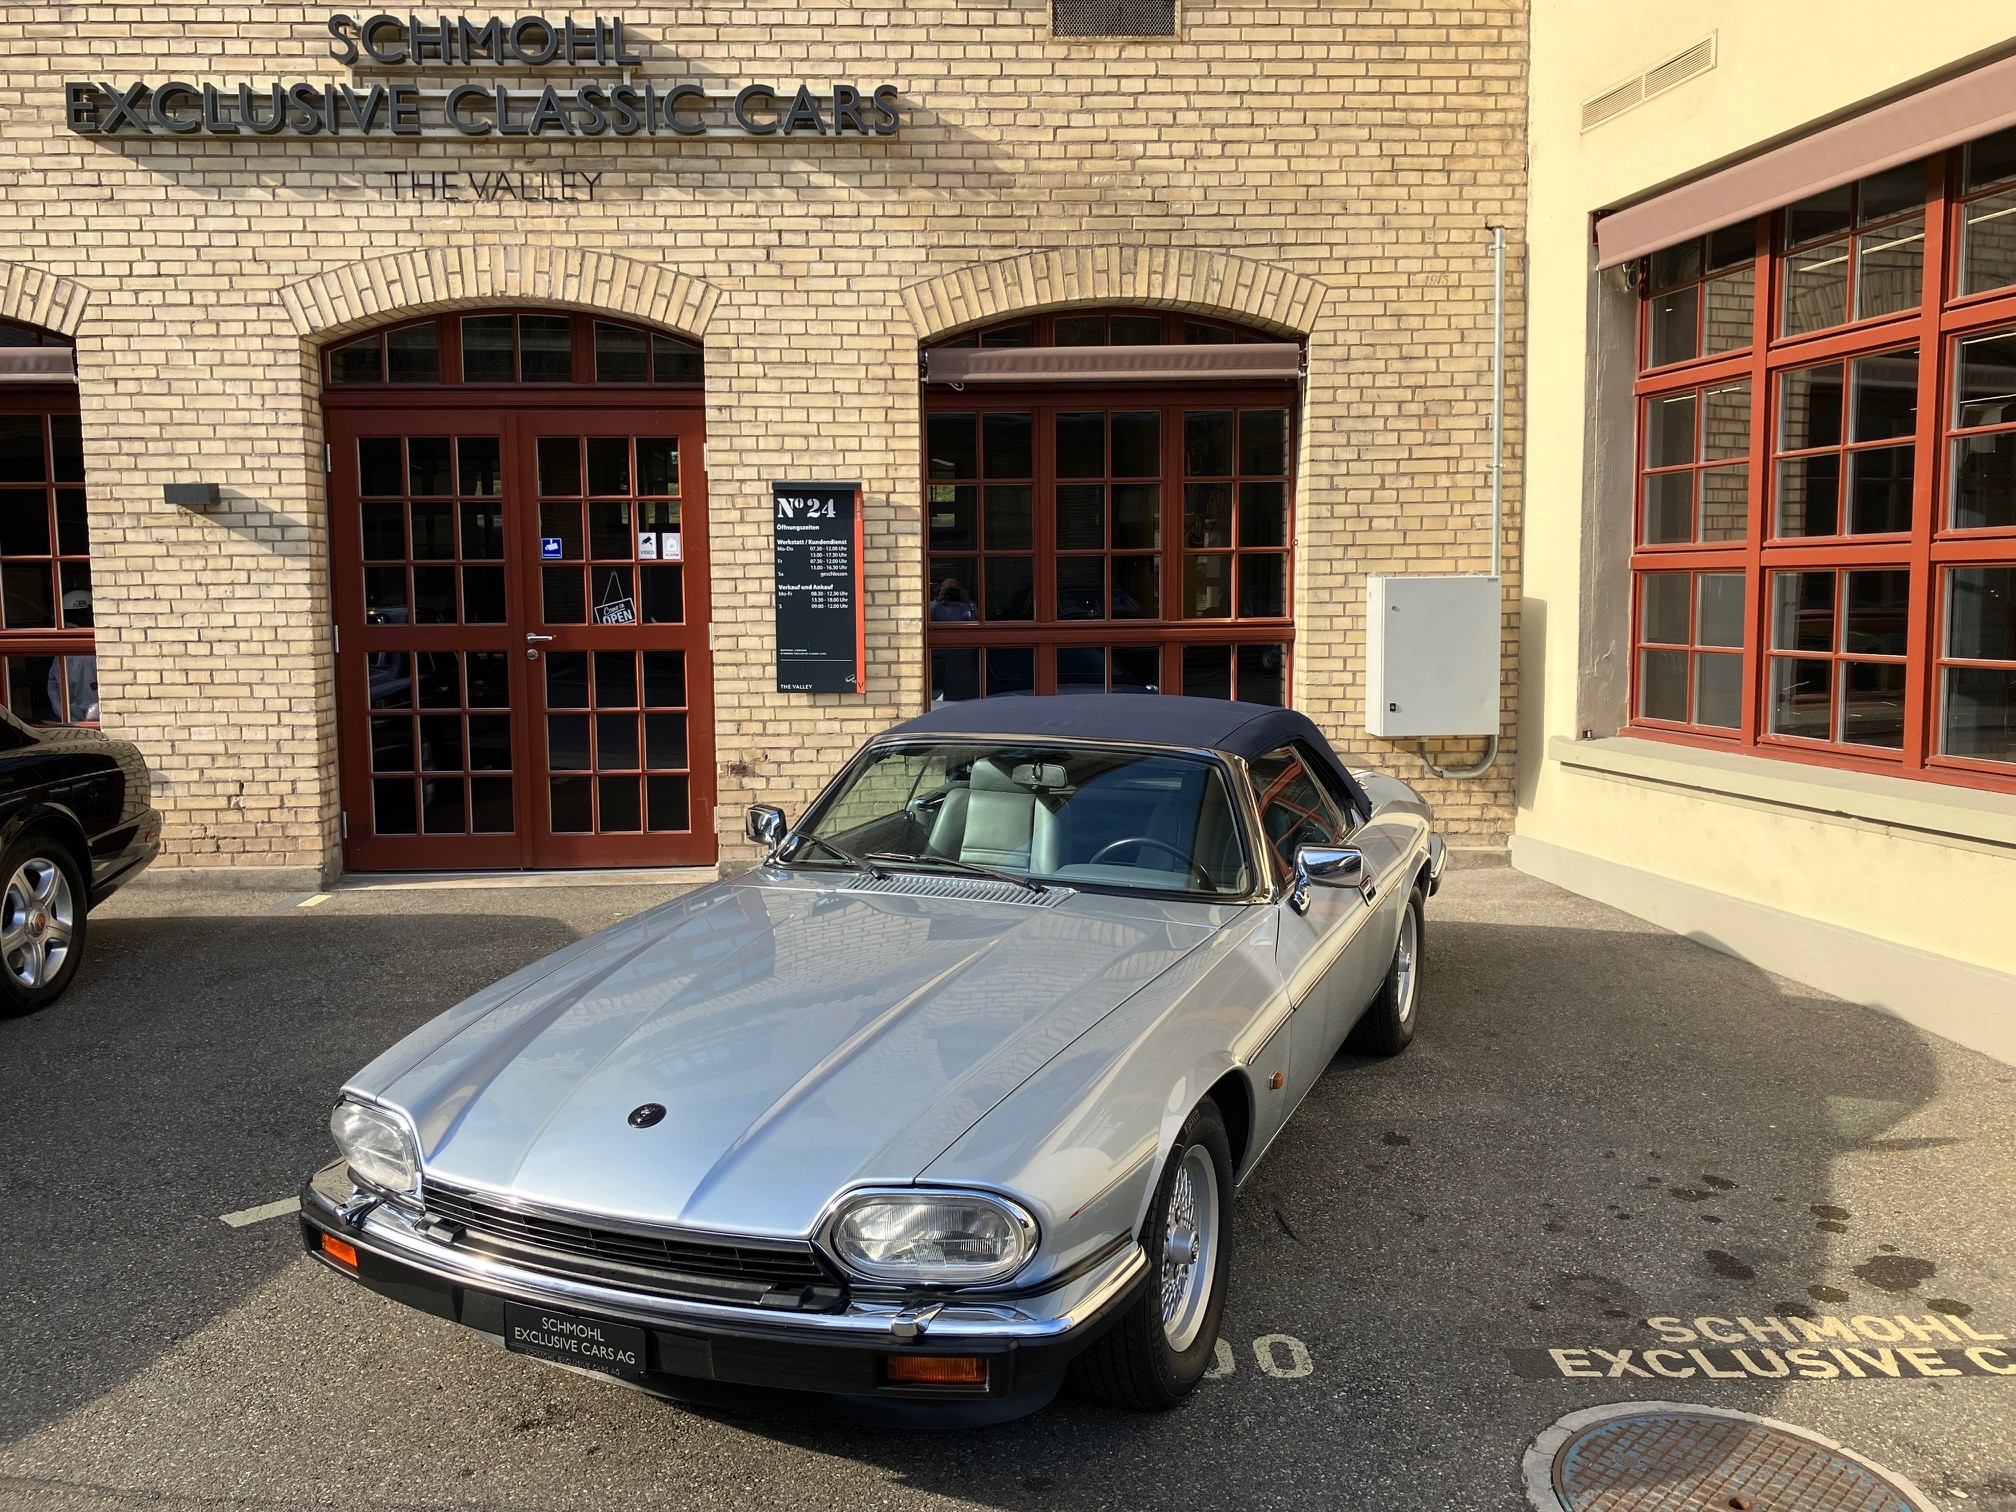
[775,1272]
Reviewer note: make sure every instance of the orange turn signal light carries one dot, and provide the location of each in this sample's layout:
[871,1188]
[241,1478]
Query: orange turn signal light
[337,1250]
[935,1370]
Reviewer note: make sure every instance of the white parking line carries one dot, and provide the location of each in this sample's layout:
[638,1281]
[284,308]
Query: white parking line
[264,1211]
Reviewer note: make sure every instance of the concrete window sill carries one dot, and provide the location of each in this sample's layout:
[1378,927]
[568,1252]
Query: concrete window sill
[1893,802]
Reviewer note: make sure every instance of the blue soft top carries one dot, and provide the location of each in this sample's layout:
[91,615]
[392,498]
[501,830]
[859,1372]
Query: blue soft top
[1215,724]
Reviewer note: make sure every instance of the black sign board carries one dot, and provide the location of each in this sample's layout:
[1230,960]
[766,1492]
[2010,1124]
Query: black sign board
[821,631]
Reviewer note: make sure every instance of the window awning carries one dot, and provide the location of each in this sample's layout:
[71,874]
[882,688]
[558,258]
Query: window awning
[38,364]
[1223,363]
[1944,115]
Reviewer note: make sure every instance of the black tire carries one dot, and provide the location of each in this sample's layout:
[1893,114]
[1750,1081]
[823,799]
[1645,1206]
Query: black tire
[1388,1025]
[1133,1364]
[42,898]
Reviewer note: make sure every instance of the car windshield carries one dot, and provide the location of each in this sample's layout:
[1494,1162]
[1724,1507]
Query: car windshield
[1085,816]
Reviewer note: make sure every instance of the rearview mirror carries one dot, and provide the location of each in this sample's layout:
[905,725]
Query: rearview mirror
[767,826]
[1325,866]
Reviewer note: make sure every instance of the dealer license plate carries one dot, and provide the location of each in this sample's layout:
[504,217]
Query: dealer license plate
[570,1339]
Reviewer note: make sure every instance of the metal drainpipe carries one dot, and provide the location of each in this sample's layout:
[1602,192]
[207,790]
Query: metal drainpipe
[1497,476]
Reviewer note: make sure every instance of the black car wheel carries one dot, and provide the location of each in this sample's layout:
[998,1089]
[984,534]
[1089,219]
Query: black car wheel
[42,921]
[1388,1025]
[1161,1346]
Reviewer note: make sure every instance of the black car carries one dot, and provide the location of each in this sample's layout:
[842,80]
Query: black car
[76,822]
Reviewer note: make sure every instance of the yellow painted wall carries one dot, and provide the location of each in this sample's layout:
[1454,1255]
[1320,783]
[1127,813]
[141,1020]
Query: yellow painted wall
[1780,67]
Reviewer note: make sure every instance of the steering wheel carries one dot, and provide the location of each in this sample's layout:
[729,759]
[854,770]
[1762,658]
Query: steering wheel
[1182,856]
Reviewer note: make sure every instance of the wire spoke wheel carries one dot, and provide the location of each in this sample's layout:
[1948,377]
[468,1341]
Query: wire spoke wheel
[38,922]
[1190,1248]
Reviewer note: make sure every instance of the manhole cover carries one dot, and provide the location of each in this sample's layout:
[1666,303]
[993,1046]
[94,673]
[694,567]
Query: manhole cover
[1672,1457]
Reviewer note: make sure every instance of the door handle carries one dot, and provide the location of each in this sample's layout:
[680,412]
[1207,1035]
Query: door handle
[532,639]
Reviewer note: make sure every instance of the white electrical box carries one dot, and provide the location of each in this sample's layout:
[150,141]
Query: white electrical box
[1432,654]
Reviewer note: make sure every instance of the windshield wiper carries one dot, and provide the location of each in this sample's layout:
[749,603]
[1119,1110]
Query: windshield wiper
[845,857]
[969,868]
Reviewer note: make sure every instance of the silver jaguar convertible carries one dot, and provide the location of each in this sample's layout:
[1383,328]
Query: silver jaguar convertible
[946,1099]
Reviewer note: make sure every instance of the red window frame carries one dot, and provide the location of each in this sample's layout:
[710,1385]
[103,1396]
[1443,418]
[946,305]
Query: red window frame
[1248,642]
[59,642]
[1928,550]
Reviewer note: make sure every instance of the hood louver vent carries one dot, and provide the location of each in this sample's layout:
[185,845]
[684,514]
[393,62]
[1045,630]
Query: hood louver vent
[970,889]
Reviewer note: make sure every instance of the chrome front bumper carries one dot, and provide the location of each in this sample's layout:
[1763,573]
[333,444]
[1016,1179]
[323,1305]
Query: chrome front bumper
[1049,1317]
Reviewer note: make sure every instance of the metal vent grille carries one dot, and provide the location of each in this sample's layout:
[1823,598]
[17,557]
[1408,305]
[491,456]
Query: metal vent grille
[548,1242]
[1678,70]
[971,889]
[1656,80]
[1113,18]
[1595,112]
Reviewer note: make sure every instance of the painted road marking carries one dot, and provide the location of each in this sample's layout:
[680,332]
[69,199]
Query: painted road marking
[1298,1363]
[1818,1348]
[265,1210]
[1280,1355]
[312,900]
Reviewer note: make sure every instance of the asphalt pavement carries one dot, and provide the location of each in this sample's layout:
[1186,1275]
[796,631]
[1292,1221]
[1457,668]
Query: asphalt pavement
[1606,1140]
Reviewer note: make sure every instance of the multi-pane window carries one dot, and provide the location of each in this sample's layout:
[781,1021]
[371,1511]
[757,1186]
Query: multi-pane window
[48,659]
[512,347]
[1853,252]
[610,547]
[433,529]
[1837,662]
[1977,663]
[1690,648]
[1702,296]
[1825,551]
[1987,221]
[1697,465]
[1107,328]
[1123,539]
[1981,493]
[1846,441]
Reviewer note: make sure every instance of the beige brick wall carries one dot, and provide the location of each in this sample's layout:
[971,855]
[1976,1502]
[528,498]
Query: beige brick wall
[1322,169]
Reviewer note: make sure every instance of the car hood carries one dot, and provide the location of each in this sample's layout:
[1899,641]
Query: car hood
[803,1035]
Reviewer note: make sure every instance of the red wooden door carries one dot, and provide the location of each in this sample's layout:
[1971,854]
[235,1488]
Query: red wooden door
[481,705]
[615,587]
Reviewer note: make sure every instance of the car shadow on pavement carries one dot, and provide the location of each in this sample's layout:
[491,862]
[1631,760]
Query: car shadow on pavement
[187,1074]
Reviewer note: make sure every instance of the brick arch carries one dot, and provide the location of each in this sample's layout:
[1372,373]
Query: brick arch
[1178,278]
[363,294]
[31,296]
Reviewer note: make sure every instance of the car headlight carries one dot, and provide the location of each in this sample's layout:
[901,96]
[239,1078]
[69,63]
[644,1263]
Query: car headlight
[957,1238]
[379,1147]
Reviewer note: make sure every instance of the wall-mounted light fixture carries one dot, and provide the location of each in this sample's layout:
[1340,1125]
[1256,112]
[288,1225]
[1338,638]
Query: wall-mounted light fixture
[191,495]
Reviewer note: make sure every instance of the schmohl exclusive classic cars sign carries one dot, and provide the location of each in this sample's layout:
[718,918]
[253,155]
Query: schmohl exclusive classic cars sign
[621,109]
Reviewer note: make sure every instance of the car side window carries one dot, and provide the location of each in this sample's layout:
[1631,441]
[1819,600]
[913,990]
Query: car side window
[1295,808]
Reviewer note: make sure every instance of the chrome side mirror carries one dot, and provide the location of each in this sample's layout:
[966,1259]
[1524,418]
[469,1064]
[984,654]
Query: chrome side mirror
[767,826]
[1324,866]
